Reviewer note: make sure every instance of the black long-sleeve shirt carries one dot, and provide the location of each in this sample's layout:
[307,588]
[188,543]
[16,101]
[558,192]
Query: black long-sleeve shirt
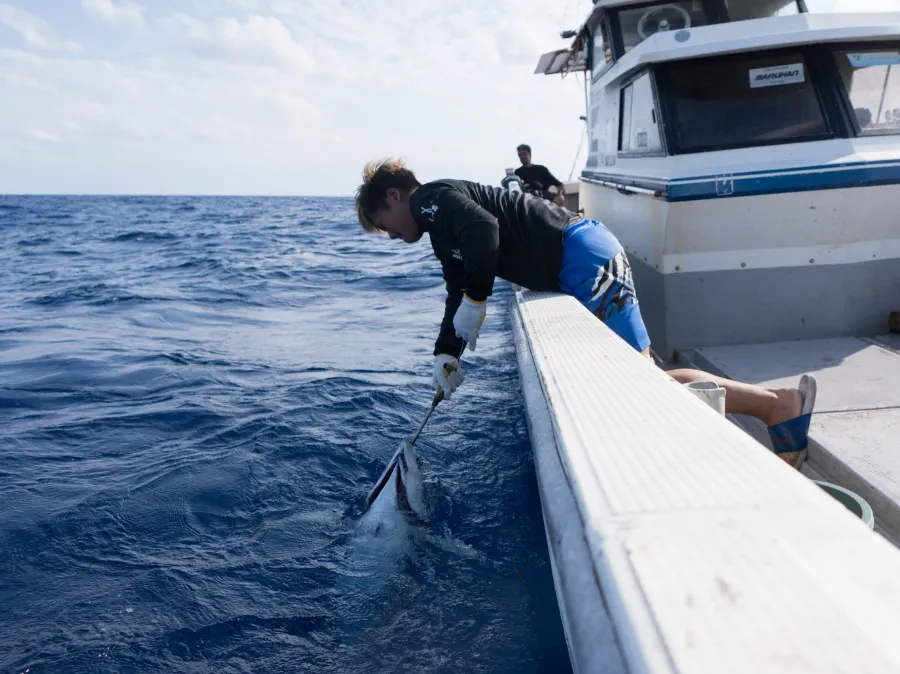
[537,179]
[479,232]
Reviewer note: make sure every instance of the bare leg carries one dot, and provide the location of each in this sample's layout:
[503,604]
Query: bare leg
[771,406]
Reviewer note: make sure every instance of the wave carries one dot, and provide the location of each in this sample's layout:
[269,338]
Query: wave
[145,236]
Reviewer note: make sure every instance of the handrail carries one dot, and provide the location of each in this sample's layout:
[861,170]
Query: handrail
[622,188]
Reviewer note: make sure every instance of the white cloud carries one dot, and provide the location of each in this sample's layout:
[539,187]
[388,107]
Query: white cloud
[109,11]
[449,88]
[260,41]
[248,5]
[129,128]
[292,99]
[18,81]
[35,32]
[42,136]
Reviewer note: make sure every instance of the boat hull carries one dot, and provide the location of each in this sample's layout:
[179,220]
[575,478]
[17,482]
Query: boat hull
[801,265]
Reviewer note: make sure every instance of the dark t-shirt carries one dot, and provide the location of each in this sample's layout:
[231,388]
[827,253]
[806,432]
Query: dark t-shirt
[537,179]
[479,232]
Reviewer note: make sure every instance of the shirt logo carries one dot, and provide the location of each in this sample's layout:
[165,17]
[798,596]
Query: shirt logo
[456,254]
[430,211]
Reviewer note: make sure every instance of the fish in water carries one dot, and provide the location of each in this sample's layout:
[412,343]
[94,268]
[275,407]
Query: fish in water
[401,495]
[375,577]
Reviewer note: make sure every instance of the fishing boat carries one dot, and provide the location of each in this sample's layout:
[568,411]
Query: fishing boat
[747,155]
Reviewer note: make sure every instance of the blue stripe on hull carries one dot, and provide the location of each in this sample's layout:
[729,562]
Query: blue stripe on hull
[756,183]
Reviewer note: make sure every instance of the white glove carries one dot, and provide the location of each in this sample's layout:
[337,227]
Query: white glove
[447,374]
[468,319]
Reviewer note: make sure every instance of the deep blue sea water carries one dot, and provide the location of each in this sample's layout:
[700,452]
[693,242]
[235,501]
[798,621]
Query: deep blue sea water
[196,395]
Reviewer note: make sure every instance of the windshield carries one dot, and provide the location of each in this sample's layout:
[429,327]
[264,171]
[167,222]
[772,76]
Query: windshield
[639,24]
[742,100]
[742,10]
[872,80]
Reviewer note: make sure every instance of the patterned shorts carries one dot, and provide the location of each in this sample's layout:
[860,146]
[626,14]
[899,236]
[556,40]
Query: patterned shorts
[596,272]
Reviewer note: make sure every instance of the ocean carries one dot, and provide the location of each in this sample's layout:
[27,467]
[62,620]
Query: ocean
[196,395]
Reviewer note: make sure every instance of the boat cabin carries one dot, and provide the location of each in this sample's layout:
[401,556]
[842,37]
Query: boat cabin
[736,146]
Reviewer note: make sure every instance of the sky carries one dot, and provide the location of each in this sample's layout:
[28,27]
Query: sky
[280,97]
[277,96]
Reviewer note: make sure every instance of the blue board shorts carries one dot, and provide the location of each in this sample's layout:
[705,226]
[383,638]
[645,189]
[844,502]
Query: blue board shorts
[596,272]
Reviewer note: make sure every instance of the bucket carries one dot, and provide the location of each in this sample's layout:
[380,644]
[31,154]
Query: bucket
[710,393]
[851,501]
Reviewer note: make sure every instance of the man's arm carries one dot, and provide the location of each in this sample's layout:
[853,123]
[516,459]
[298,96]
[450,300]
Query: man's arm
[468,238]
[447,341]
[478,234]
[553,180]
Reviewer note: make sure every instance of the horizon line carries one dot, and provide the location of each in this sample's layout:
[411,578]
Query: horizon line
[173,194]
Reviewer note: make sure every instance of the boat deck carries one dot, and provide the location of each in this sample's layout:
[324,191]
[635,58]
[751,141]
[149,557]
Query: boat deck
[855,430]
[678,543]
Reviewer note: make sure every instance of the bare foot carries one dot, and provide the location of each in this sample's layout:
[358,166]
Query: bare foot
[790,458]
[788,405]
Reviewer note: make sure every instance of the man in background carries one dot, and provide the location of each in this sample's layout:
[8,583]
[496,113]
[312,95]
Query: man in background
[537,179]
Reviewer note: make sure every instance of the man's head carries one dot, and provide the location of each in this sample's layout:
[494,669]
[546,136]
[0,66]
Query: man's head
[524,152]
[382,201]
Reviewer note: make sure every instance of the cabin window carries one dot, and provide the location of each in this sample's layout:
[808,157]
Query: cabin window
[743,10]
[741,101]
[601,56]
[871,78]
[638,130]
[638,24]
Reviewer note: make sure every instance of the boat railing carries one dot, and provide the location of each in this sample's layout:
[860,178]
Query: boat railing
[679,543]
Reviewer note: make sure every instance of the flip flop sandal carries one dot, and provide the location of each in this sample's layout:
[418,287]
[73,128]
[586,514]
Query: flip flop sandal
[793,435]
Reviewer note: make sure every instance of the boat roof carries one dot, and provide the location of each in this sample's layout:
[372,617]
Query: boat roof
[616,3]
[606,4]
[769,33]
[601,5]
[842,18]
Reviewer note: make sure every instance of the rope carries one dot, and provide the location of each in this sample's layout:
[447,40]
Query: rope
[578,153]
[584,130]
[565,19]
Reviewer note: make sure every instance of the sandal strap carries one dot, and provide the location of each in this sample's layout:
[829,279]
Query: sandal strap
[791,435]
